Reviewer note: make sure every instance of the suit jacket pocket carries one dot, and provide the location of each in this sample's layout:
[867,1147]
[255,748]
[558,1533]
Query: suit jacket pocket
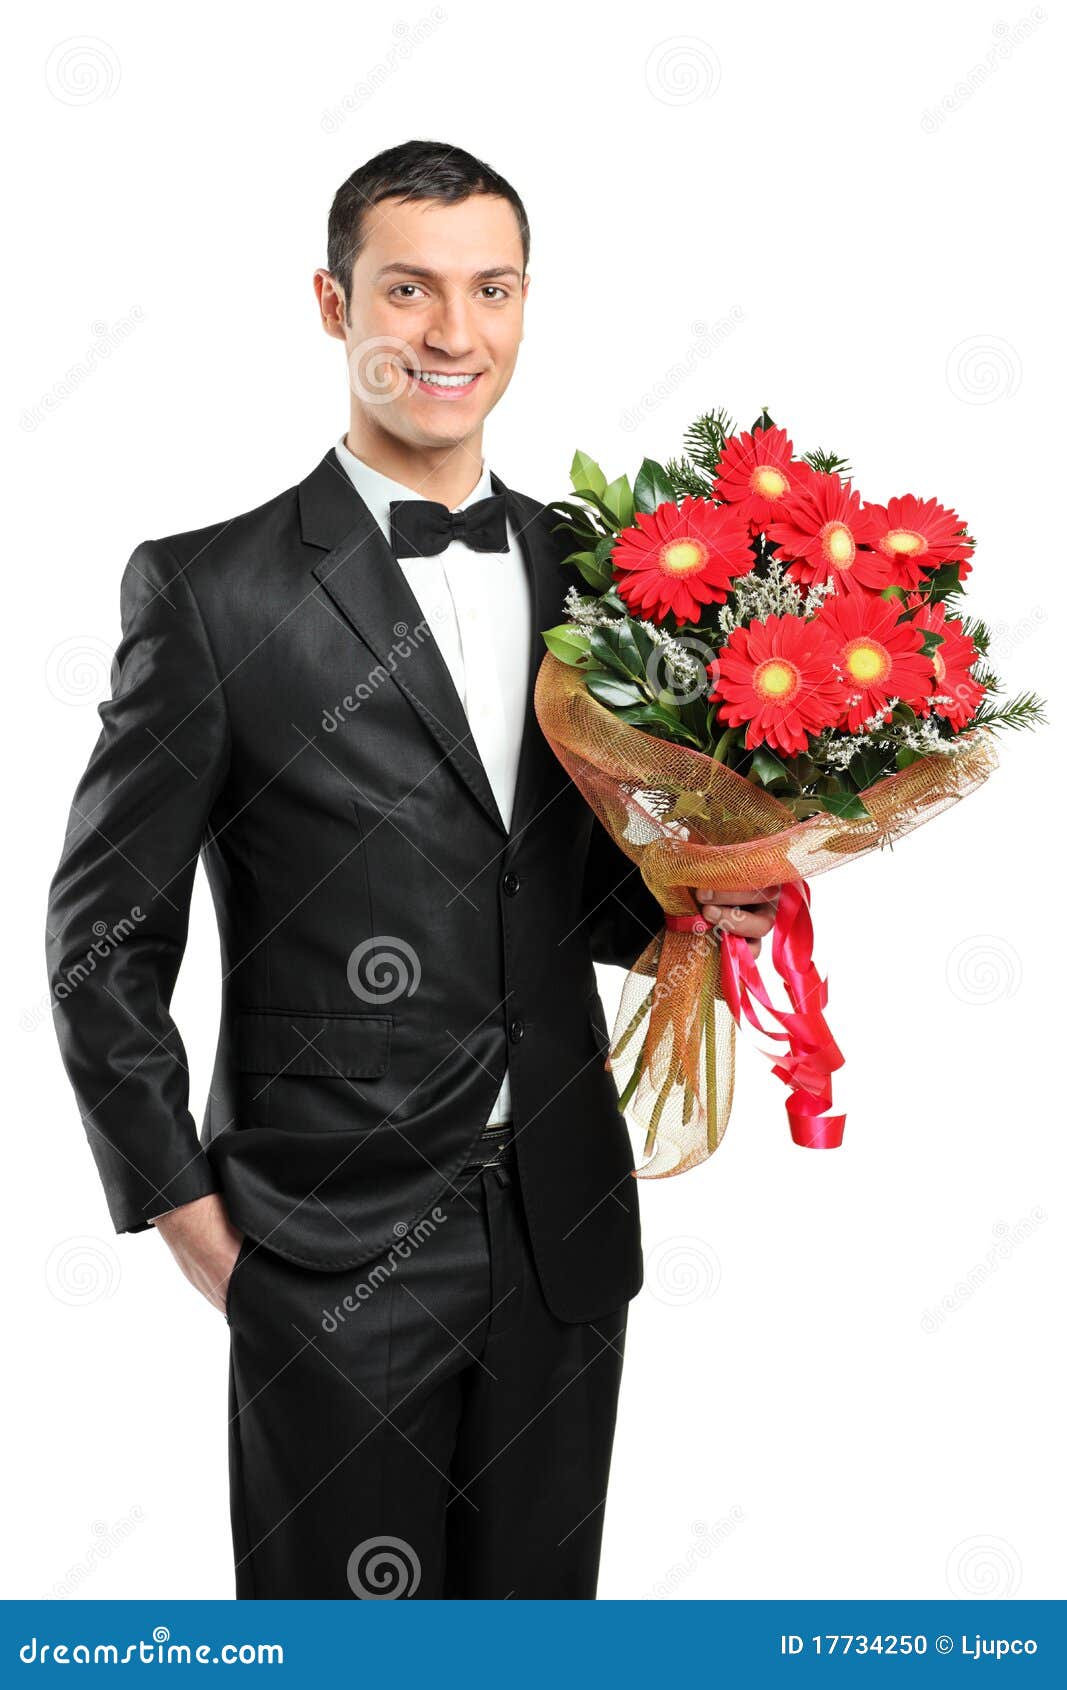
[326,1046]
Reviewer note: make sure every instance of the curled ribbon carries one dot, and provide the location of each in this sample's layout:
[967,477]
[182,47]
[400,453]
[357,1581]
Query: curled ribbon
[813,1054]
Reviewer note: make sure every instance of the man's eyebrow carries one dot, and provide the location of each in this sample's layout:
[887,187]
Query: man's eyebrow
[433,276]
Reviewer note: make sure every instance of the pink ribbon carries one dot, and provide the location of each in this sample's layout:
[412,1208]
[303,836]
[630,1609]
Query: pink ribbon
[813,1055]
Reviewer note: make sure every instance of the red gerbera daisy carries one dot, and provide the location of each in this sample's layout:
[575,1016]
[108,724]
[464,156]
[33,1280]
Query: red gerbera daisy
[679,558]
[821,534]
[756,473]
[779,677]
[915,534]
[953,660]
[879,654]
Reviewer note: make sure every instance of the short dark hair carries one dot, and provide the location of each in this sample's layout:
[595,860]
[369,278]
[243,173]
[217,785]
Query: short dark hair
[414,170]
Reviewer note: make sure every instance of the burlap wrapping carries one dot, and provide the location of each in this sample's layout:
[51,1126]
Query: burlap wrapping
[687,821]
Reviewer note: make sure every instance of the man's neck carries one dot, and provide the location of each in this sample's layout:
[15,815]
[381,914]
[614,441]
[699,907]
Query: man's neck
[442,473]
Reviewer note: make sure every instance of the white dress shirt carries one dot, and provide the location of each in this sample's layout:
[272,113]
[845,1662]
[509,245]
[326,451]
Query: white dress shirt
[477,607]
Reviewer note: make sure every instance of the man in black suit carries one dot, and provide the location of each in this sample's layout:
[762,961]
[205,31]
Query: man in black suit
[413,1198]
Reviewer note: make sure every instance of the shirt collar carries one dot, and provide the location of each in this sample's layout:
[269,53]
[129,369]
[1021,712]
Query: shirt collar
[376,490]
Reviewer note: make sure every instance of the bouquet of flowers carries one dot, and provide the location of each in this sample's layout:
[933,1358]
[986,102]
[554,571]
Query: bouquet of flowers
[767,677]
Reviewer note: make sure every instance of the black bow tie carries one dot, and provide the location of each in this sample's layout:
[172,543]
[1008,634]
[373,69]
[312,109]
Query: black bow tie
[421,527]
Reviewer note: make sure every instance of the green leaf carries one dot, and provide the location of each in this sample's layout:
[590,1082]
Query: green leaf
[944,582]
[620,501]
[616,694]
[869,764]
[846,806]
[651,716]
[603,549]
[630,651]
[586,474]
[906,756]
[653,487]
[604,643]
[569,644]
[729,738]
[764,420]
[594,573]
[766,768]
[931,641]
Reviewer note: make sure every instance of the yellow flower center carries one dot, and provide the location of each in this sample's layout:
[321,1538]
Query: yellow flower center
[867,661]
[681,557]
[838,544]
[768,482]
[776,679]
[905,542]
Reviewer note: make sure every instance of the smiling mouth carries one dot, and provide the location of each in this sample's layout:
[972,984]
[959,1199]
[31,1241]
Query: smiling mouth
[444,382]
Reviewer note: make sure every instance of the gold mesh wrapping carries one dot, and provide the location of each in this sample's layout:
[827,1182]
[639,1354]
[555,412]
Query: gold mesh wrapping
[689,821]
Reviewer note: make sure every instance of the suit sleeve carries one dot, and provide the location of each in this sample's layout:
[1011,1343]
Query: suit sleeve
[621,914]
[118,906]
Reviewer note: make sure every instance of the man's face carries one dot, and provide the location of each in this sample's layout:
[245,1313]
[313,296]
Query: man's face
[437,290]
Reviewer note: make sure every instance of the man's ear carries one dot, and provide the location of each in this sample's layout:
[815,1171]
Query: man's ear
[333,308]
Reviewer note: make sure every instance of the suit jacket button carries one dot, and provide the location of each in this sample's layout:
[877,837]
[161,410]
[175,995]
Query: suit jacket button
[511,883]
[516,1030]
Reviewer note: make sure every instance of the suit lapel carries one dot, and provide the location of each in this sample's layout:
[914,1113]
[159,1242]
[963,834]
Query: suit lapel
[363,579]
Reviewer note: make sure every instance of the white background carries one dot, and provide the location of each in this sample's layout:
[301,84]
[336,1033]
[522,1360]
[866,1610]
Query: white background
[843,1375]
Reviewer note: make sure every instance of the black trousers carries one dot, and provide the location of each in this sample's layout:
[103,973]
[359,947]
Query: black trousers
[424,1426]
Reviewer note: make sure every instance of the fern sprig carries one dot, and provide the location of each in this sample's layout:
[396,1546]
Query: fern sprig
[1025,710]
[829,463]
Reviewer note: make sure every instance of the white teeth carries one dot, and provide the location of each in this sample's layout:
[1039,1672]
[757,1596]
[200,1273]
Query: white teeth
[443,381]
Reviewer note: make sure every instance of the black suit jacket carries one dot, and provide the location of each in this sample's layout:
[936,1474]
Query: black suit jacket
[280,707]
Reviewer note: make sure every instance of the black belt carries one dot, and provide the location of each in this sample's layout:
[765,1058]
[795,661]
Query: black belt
[494,1145]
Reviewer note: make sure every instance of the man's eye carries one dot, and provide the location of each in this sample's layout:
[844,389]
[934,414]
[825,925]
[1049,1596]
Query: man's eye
[400,285]
[491,287]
